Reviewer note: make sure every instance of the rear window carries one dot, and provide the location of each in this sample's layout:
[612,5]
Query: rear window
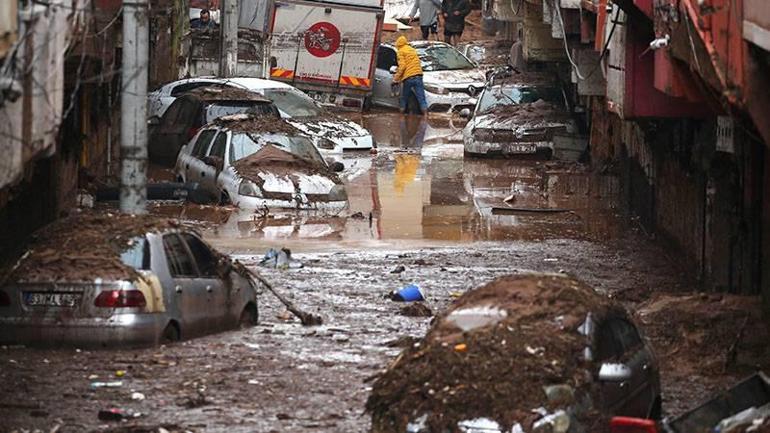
[138,254]
[219,109]
[184,88]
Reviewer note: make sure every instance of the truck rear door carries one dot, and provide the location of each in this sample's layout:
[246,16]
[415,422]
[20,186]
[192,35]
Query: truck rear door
[317,45]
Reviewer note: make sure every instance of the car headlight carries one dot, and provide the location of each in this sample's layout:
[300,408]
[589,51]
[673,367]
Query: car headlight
[338,193]
[436,89]
[249,188]
[325,143]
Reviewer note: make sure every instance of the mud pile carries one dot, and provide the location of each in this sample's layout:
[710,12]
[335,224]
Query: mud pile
[278,162]
[536,111]
[708,334]
[83,247]
[226,93]
[497,370]
[257,125]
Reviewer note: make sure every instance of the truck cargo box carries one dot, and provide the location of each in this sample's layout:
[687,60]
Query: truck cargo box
[327,49]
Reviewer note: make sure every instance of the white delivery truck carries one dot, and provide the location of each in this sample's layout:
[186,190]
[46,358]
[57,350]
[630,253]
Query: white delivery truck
[326,48]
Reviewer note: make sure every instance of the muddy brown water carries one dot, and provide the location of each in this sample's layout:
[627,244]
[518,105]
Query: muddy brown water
[417,203]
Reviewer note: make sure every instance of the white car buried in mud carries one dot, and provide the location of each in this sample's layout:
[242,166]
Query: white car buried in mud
[330,133]
[260,163]
[451,79]
[520,115]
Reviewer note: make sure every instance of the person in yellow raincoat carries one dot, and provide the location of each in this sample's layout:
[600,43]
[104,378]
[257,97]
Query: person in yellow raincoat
[409,73]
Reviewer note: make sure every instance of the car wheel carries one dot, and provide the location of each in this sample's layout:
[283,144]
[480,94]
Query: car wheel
[170,333]
[249,316]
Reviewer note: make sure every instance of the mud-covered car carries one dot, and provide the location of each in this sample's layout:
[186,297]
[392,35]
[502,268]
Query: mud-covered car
[518,115]
[451,79]
[196,108]
[259,162]
[96,280]
[330,133]
[524,353]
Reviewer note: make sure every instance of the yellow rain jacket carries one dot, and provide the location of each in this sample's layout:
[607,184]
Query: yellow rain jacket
[408,61]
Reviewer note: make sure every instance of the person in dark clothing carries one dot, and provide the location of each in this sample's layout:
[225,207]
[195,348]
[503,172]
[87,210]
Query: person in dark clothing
[454,13]
[204,22]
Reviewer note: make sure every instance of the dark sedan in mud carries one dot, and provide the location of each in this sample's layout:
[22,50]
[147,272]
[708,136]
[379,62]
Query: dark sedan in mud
[530,353]
[99,280]
[518,115]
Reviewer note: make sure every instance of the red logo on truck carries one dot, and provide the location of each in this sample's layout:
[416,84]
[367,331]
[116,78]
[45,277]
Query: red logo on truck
[322,39]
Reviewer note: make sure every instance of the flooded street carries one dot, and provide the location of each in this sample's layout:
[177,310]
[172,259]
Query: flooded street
[453,223]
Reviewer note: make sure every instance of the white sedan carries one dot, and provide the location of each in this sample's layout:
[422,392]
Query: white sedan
[330,133]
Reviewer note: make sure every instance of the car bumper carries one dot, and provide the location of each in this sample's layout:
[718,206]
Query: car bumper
[119,330]
[449,103]
[477,147]
[257,203]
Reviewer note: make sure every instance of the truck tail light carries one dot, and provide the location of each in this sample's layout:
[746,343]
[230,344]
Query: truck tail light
[120,299]
[622,424]
[5,300]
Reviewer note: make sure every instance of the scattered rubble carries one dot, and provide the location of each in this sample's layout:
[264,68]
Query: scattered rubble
[416,309]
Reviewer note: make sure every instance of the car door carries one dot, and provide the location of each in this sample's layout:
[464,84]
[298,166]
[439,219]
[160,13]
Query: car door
[193,164]
[620,342]
[216,156]
[191,298]
[381,93]
[219,293]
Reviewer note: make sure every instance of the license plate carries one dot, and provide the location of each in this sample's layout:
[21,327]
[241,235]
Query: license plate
[521,148]
[36,299]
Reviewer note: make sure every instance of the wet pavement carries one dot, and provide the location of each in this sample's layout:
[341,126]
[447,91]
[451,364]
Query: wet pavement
[417,203]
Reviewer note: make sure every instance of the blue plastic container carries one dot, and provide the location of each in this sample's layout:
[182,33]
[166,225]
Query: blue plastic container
[410,293]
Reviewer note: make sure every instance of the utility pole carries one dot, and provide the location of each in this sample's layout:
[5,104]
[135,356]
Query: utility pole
[228,59]
[133,110]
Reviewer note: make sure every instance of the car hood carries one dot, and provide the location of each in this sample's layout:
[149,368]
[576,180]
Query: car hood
[329,127]
[522,117]
[458,78]
[282,175]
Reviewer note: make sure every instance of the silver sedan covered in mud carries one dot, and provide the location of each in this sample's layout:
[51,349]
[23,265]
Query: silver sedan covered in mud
[258,163]
[519,115]
[98,280]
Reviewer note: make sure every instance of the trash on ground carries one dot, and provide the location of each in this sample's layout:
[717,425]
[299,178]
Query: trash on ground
[399,269]
[468,319]
[112,384]
[410,293]
[416,309]
[137,396]
[479,425]
[114,414]
[280,259]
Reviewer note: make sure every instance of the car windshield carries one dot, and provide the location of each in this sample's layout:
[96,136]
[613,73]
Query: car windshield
[512,95]
[293,102]
[219,109]
[137,255]
[244,144]
[442,58]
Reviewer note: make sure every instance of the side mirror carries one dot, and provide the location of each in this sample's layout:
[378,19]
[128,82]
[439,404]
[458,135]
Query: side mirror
[393,70]
[465,113]
[614,372]
[337,166]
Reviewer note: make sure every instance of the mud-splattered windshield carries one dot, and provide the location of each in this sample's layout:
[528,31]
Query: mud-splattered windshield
[442,58]
[512,95]
[244,144]
[293,102]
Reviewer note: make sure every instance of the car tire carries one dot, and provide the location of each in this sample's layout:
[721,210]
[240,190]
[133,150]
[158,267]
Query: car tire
[249,316]
[170,334]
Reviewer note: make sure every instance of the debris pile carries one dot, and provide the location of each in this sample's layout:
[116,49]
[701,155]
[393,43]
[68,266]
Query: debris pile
[519,362]
[75,247]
